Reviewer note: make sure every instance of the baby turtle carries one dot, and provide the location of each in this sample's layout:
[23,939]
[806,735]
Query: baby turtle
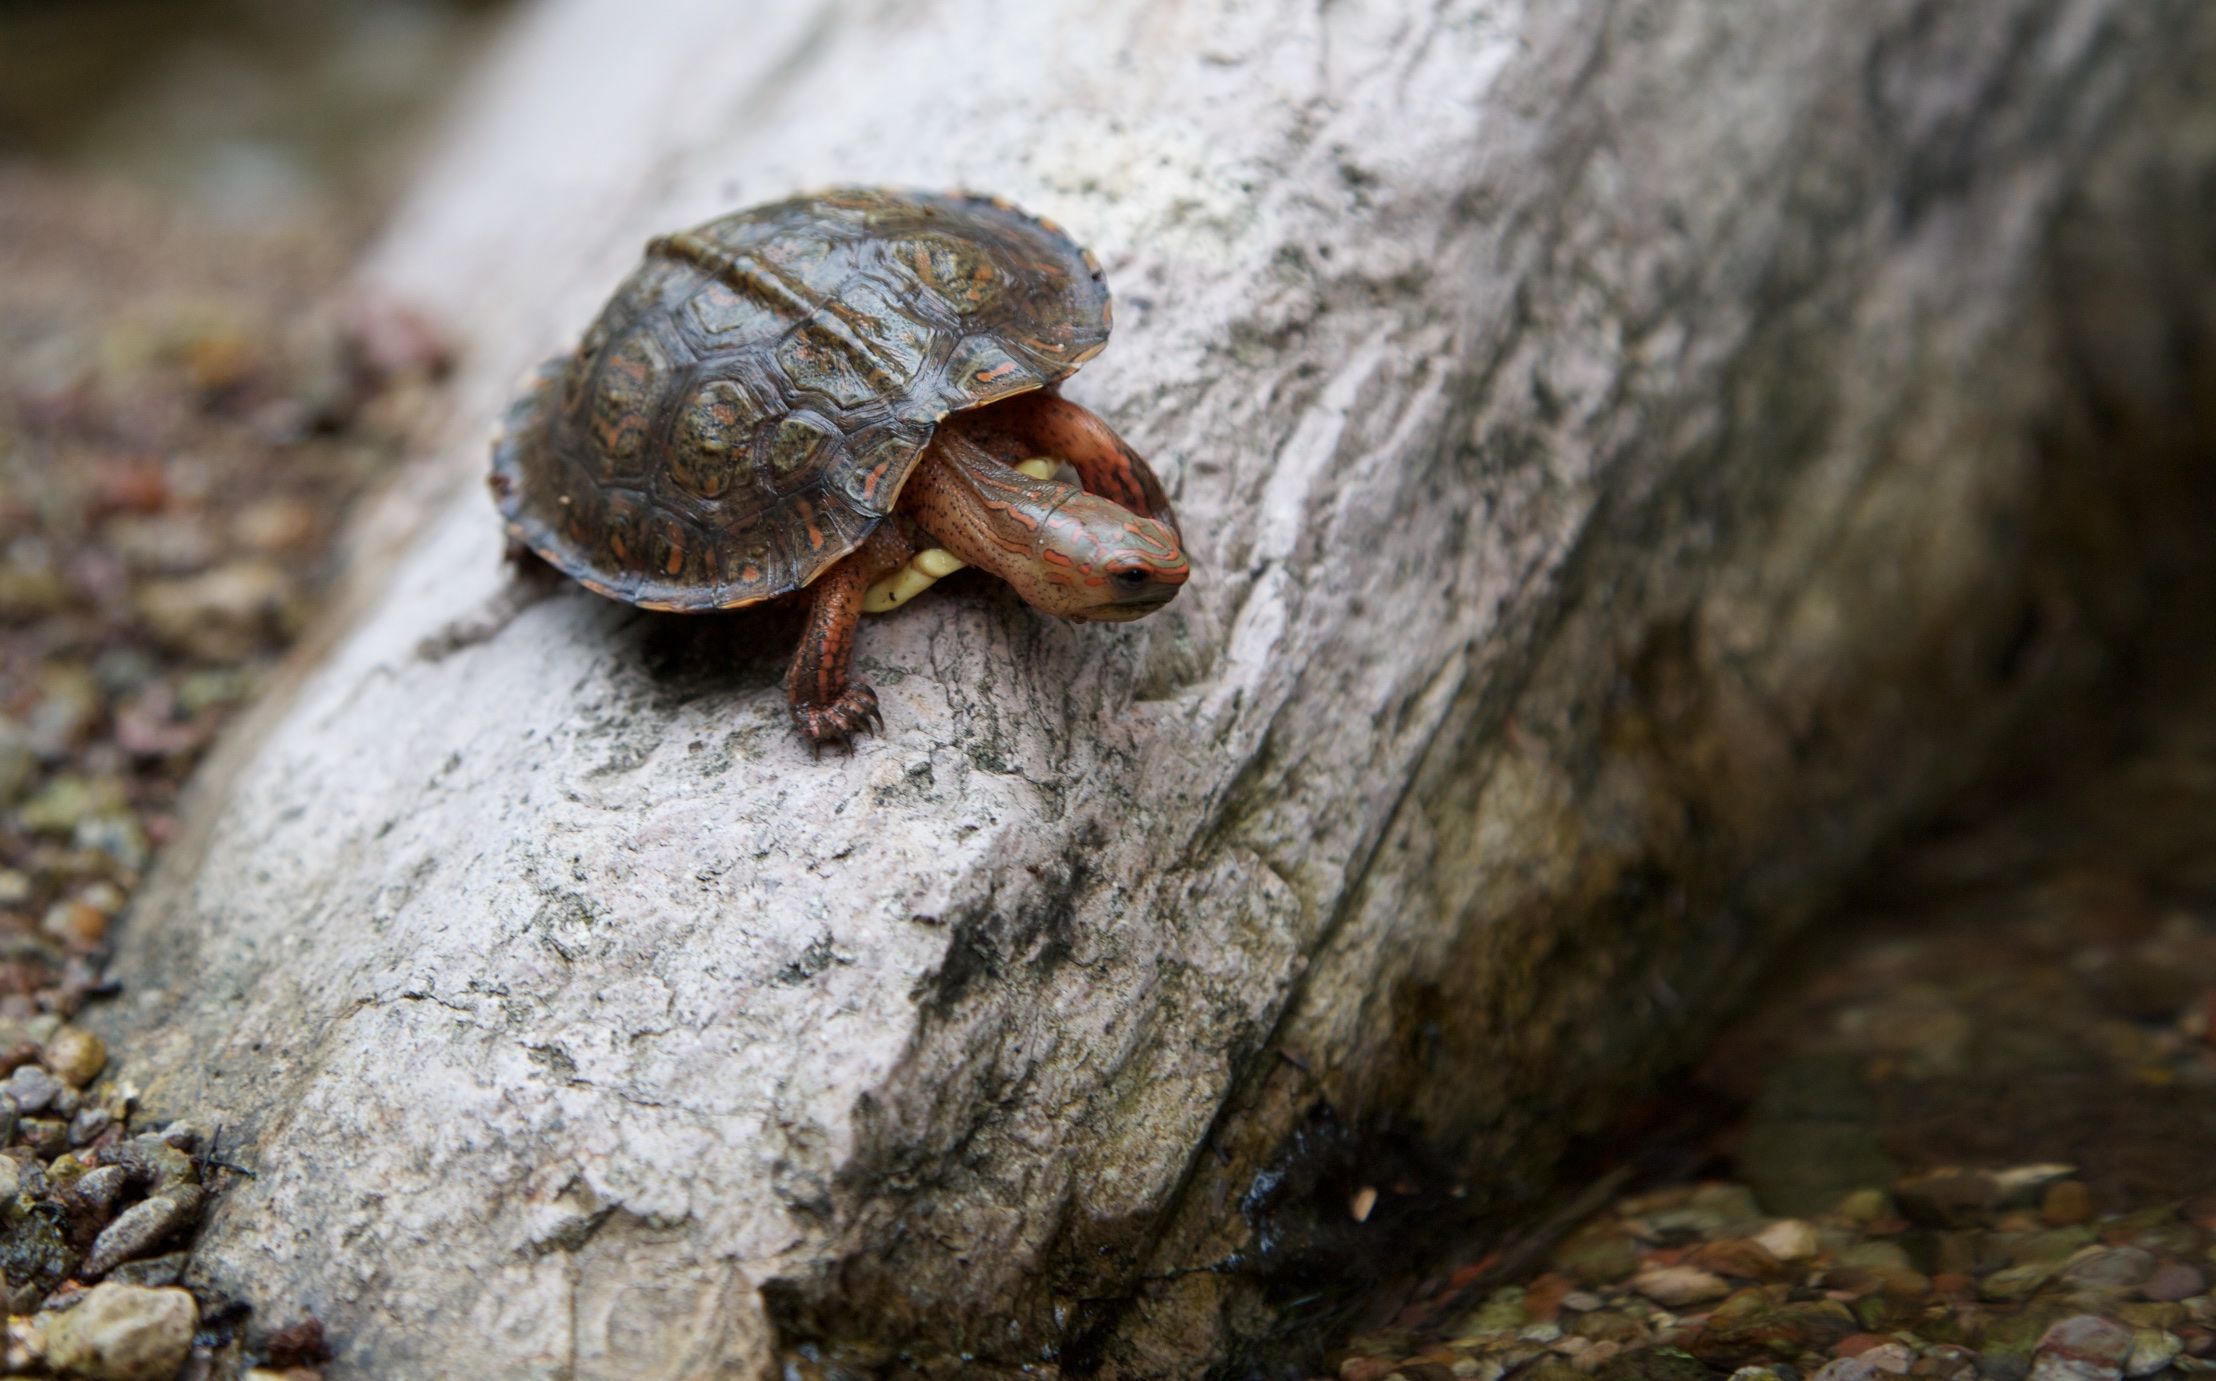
[797,397]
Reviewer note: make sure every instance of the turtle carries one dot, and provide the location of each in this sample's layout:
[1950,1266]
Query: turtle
[794,399]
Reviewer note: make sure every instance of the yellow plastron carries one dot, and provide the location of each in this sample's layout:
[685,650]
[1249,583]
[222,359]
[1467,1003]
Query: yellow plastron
[926,568]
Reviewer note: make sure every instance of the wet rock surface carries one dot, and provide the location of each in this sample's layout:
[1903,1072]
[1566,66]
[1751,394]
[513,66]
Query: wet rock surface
[1970,1132]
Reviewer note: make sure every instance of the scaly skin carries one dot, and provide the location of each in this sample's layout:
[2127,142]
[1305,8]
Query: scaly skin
[1047,424]
[829,705]
[1066,551]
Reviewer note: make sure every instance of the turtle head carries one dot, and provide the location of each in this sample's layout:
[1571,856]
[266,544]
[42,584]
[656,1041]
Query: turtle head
[1067,552]
[1096,561]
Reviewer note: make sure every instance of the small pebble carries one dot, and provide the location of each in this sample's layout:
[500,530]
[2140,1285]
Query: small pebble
[2172,1281]
[88,1124]
[2111,1268]
[65,800]
[1865,1205]
[103,1187]
[2084,1347]
[18,765]
[224,615]
[1740,1258]
[2066,1203]
[123,1333]
[1892,1356]
[1788,1239]
[1676,1286]
[31,1089]
[142,1226]
[2016,1282]
[154,1270]
[76,923]
[2023,1185]
[2152,1350]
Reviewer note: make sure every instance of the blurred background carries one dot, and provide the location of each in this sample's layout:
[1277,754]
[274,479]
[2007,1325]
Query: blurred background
[255,112]
[190,398]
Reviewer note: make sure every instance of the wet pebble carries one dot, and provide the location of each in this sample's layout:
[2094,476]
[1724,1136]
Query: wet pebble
[2023,1185]
[17,763]
[2112,1268]
[1865,1205]
[76,923]
[117,834]
[57,807]
[123,1332]
[274,524]
[1891,1357]
[2066,1203]
[1677,1286]
[76,1055]
[2152,1350]
[1788,1239]
[225,615]
[65,712]
[88,1124]
[1737,1257]
[31,1089]
[2084,1347]
[142,1226]
[154,1270]
[2172,1281]
[1848,1369]
[102,1188]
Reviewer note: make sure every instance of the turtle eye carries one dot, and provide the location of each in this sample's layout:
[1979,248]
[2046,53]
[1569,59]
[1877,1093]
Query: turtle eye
[1131,577]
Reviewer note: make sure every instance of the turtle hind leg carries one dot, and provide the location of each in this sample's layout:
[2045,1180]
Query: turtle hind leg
[1045,423]
[829,703]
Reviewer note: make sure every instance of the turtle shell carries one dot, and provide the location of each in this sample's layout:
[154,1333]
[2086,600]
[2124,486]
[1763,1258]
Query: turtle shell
[752,398]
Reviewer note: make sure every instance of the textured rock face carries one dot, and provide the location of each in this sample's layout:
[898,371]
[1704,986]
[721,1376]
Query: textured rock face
[1628,469]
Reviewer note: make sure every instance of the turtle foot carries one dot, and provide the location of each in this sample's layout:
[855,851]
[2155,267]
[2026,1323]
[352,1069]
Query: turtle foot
[854,712]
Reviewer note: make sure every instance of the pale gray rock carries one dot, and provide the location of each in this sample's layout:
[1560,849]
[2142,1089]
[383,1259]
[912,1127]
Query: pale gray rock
[1635,455]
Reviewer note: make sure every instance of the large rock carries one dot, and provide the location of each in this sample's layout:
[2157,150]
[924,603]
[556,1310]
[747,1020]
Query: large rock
[1635,455]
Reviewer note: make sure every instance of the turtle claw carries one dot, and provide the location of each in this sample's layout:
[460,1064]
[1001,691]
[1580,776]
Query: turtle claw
[855,712]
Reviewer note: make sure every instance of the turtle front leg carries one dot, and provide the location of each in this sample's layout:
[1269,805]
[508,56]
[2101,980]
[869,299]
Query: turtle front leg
[828,703]
[1045,423]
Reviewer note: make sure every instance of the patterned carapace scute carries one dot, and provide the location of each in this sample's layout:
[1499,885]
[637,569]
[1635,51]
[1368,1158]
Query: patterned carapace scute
[749,403]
